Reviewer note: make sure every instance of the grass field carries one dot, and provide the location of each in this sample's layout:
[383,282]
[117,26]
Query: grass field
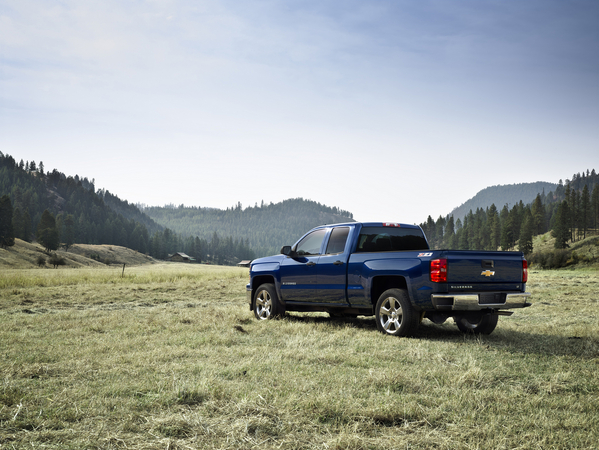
[169,356]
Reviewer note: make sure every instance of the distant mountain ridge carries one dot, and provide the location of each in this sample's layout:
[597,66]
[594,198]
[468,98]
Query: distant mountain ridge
[266,227]
[501,195]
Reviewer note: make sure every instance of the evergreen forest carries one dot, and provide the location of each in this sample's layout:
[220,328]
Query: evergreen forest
[571,213]
[510,194]
[58,210]
[267,227]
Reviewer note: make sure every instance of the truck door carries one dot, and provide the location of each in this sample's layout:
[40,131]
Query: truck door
[332,269]
[298,274]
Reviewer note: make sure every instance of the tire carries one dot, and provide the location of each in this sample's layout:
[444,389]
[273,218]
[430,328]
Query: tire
[394,313]
[266,303]
[483,324]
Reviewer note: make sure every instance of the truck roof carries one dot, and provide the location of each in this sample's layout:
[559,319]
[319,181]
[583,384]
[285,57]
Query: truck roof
[369,224]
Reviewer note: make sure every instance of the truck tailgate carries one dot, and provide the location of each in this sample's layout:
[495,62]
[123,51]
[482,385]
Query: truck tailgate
[487,270]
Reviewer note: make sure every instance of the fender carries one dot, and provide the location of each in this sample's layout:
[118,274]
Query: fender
[408,269]
[268,269]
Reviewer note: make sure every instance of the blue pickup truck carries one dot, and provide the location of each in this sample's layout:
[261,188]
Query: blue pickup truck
[389,271]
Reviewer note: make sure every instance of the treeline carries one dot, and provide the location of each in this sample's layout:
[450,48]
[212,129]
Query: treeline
[36,201]
[266,227]
[217,250]
[570,212]
[510,194]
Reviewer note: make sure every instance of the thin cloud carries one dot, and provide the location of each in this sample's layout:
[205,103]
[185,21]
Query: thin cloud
[401,90]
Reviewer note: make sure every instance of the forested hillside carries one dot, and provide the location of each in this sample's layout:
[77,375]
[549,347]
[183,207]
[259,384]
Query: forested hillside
[266,227]
[129,211]
[510,194]
[58,210]
[570,212]
[67,203]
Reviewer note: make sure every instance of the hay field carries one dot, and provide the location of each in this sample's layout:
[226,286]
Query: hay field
[169,356]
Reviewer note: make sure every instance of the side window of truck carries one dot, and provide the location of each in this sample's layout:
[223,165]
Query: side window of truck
[310,245]
[337,240]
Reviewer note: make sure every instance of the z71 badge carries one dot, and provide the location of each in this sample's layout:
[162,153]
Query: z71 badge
[424,255]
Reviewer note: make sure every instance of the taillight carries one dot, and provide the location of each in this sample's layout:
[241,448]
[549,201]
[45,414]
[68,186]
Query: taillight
[439,271]
[524,271]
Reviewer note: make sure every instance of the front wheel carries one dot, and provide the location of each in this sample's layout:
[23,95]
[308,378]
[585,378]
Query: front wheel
[483,324]
[394,313]
[266,303]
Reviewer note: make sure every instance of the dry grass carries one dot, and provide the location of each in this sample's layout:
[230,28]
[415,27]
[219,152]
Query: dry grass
[24,255]
[170,357]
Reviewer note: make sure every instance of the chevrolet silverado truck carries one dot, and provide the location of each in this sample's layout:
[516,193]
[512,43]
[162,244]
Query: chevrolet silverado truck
[387,270]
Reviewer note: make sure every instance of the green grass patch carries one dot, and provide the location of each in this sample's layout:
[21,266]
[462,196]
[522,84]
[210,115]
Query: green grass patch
[169,356]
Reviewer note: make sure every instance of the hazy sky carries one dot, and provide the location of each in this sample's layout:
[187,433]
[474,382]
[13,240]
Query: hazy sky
[392,110]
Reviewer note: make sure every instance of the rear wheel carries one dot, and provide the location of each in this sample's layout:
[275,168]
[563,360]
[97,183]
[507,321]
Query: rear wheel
[477,324]
[266,303]
[394,313]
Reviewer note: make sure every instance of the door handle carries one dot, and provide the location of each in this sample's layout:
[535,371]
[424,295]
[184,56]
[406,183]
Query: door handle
[338,263]
[311,263]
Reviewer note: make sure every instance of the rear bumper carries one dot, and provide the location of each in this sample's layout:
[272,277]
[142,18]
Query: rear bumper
[477,302]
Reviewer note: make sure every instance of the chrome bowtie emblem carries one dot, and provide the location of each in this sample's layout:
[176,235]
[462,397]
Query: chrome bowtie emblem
[487,273]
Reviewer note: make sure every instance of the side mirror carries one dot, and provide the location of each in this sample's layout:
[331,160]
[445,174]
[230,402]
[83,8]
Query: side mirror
[286,250]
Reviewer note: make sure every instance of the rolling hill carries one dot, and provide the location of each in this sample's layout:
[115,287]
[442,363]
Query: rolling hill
[266,227]
[501,195]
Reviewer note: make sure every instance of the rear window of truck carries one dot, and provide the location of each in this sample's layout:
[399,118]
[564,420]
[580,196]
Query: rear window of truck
[390,239]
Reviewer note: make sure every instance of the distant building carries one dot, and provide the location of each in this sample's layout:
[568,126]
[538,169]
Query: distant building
[180,257]
[245,263]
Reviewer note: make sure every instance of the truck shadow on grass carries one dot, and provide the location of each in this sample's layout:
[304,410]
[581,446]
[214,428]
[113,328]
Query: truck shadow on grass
[515,341]
[501,339]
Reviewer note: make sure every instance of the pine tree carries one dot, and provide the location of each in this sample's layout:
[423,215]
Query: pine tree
[431,230]
[440,226]
[526,230]
[27,229]
[570,219]
[494,227]
[576,215]
[561,230]
[47,232]
[7,235]
[449,233]
[585,210]
[538,215]
[507,237]
[69,232]
[595,205]
[17,223]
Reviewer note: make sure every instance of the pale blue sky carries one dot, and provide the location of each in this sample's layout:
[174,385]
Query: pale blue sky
[393,110]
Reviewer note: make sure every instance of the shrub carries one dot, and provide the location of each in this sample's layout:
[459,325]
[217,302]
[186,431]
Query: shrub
[56,260]
[41,261]
[553,259]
